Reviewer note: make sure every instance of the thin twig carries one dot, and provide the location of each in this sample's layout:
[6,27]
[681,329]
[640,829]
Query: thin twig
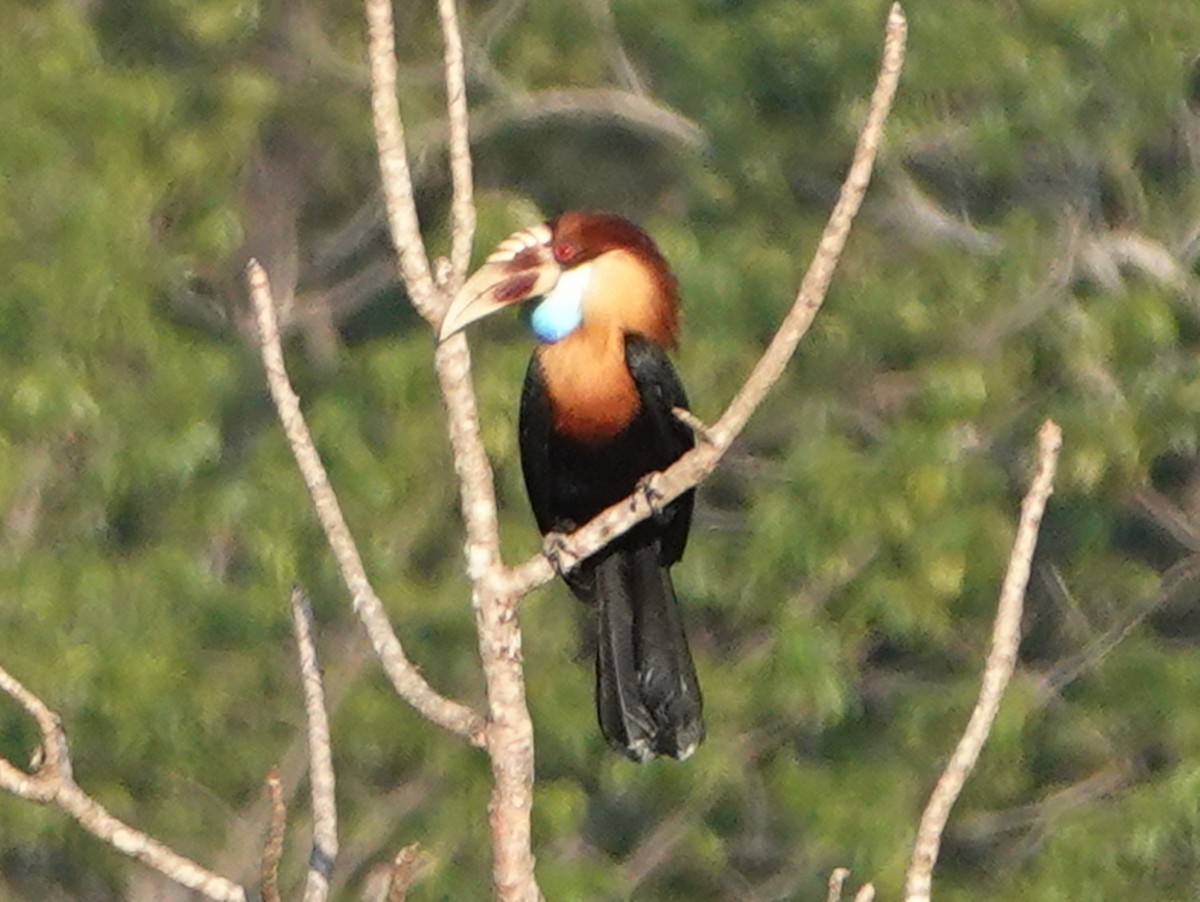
[462,205]
[320,755]
[837,879]
[52,783]
[407,680]
[694,466]
[393,160]
[1001,660]
[692,422]
[984,829]
[273,848]
[405,870]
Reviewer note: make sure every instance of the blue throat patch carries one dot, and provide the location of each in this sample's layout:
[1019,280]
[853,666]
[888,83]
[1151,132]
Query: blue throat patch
[556,317]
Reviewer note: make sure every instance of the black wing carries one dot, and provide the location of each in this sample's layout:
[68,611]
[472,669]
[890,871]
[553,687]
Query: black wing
[534,428]
[661,391]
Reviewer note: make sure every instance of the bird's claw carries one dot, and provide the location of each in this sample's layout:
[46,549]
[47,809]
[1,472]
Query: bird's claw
[648,486]
[558,552]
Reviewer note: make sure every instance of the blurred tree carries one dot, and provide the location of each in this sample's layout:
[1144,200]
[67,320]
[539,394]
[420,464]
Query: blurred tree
[1030,249]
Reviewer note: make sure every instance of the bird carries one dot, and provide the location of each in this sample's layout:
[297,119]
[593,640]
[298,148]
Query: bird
[596,420]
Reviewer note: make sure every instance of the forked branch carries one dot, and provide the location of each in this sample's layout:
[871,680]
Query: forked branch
[51,783]
[405,677]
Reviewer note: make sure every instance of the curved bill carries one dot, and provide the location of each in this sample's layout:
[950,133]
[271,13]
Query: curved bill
[521,267]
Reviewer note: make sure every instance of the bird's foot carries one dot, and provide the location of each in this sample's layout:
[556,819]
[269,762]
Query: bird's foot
[648,486]
[558,552]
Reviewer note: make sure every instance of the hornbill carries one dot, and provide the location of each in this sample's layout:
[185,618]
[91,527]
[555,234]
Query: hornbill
[596,419]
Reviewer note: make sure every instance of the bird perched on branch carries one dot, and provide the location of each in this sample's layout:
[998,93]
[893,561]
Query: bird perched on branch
[596,419]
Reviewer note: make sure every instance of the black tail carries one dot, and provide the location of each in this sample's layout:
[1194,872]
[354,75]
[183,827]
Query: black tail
[647,696]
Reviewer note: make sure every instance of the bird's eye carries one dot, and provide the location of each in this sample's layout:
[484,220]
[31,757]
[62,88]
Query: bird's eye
[565,252]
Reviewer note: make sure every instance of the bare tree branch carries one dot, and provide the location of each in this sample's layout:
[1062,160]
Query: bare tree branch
[694,466]
[405,870]
[659,845]
[373,831]
[866,893]
[407,680]
[51,783]
[393,160]
[462,205]
[273,848]
[509,733]
[837,880]
[1001,660]
[320,755]
[1180,582]
[495,599]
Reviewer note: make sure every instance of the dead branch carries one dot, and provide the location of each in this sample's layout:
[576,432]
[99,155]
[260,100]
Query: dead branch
[1180,582]
[406,869]
[837,880]
[866,893]
[1001,660]
[660,844]
[51,783]
[372,832]
[462,204]
[320,755]
[273,848]
[393,159]
[405,677]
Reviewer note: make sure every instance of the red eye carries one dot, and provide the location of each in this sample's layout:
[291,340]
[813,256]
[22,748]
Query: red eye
[565,252]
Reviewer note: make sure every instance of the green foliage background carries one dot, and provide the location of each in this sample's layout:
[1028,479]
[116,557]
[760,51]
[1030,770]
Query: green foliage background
[1029,250]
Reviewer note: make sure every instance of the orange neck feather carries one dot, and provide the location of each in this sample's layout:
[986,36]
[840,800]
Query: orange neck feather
[592,394]
[630,295]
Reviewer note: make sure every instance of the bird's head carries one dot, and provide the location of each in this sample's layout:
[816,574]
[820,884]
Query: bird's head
[592,270]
